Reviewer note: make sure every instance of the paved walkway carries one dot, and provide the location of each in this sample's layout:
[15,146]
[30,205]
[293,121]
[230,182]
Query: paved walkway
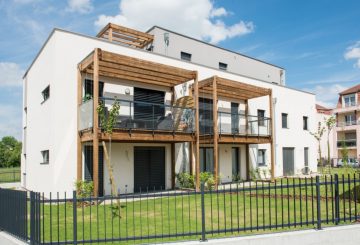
[15,185]
[6,239]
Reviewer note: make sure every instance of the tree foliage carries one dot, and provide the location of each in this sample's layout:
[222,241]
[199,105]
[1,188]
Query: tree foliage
[10,152]
[318,136]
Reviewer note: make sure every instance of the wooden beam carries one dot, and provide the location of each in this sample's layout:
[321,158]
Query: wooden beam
[191,157]
[140,71]
[197,133]
[172,165]
[247,162]
[96,123]
[236,139]
[79,145]
[215,129]
[85,63]
[147,65]
[147,136]
[272,137]
[110,34]
[246,116]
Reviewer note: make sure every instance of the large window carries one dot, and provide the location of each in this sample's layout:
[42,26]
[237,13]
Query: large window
[284,120]
[349,100]
[235,163]
[261,157]
[185,56]
[261,117]
[45,156]
[207,159]
[305,123]
[46,93]
[89,89]
[350,119]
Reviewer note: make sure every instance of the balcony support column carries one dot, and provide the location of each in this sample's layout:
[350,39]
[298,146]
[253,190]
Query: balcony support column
[96,123]
[79,145]
[271,128]
[215,130]
[197,132]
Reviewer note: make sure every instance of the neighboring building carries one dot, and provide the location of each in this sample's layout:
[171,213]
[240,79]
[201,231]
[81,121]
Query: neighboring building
[347,131]
[260,122]
[324,114]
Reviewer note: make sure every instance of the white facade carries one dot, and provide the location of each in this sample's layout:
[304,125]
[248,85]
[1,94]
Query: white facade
[52,125]
[210,55]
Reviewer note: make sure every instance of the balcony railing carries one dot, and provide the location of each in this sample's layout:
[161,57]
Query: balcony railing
[346,143]
[234,123]
[152,116]
[347,123]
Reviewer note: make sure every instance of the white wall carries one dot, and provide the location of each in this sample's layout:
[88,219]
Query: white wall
[53,125]
[237,63]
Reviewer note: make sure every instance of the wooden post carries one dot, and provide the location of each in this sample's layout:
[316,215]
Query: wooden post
[191,160]
[247,162]
[96,123]
[197,132]
[172,165]
[246,117]
[110,34]
[79,146]
[215,128]
[272,137]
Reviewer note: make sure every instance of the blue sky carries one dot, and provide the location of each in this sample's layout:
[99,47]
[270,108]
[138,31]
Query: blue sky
[317,42]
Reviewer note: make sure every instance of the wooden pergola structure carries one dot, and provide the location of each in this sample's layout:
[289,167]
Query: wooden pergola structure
[112,65]
[125,36]
[216,87]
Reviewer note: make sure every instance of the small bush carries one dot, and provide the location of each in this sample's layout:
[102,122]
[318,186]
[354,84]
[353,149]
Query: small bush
[84,188]
[186,180]
[208,179]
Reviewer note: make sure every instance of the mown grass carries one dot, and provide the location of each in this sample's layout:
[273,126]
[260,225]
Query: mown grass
[9,175]
[287,208]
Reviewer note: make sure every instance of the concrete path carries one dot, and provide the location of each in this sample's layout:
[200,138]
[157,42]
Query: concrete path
[7,239]
[15,185]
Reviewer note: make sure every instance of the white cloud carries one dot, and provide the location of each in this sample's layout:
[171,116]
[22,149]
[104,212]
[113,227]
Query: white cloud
[80,6]
[11,74]
[327,95]
[353,53]
[199,19]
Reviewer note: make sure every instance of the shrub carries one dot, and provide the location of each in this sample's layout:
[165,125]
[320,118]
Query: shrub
[208,179]
[84,188]
[186,180]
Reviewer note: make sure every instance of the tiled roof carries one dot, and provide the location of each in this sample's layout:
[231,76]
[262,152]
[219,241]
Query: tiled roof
[351,90]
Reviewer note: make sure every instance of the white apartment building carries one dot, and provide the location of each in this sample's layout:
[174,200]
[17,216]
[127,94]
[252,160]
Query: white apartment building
[167,109]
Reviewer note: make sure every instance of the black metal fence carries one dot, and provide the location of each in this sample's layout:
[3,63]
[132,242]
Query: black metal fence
[231,210]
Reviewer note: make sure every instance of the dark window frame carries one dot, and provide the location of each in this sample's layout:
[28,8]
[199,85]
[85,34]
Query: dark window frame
[185,56]
[284,124]
[46,156]
[305,123]
[261,118]
[263,153]
[306,156]
[45,94]
[223,66]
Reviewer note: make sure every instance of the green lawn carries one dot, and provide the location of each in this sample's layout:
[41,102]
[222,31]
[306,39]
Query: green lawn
[9,175]
[182,214]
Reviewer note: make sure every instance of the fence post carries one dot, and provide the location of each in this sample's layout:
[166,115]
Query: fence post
[74,218]
[318,202]
[32,218]
[337,200]
[203,236]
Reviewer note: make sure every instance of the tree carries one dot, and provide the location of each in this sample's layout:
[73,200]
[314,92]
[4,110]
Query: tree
[318,135]
[330,123]
[10,152]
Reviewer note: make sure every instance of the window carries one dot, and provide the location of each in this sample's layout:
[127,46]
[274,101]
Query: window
[45,155]
[261,157]
[306,156]
[235,163]
[350,119]
[349,100]
[261,117]
[222,66]
[185,56]
[46,93]
[88,89]
[305,123]
[284,120]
